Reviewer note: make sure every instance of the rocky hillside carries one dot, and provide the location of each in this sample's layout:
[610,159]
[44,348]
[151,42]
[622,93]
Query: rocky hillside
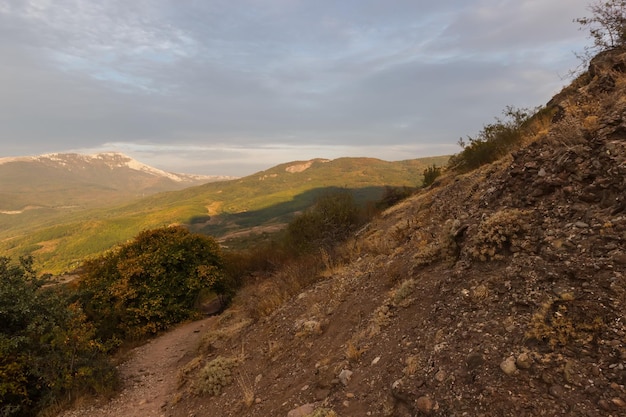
[501,292]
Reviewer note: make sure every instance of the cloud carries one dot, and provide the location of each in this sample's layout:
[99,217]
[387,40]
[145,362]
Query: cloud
[305,76]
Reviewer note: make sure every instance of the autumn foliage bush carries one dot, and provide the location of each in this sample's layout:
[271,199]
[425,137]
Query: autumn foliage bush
[48,352]
[150,283]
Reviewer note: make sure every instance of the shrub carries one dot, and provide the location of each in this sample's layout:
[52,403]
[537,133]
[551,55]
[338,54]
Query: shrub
[566,322]
[393,195]
[494,141]
[214,376]
[47,348]
[430,175]
[146,285]
[498,233]
[329,222]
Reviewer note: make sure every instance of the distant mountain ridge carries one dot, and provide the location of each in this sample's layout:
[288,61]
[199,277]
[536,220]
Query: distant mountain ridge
[77,180]
[60,232]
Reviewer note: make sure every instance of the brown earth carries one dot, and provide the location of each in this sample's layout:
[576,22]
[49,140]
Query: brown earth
[501,292]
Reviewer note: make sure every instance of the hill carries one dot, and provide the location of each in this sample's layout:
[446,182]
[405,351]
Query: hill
[497,292]
[261,202]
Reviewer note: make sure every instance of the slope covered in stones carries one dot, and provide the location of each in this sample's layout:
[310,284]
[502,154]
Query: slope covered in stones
[495,293]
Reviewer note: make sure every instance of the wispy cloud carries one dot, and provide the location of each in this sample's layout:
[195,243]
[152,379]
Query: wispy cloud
[313,76]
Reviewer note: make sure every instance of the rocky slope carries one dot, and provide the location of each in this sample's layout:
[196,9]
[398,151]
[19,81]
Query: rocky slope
[496,293]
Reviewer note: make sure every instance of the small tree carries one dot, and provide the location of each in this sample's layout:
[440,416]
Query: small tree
[607,26]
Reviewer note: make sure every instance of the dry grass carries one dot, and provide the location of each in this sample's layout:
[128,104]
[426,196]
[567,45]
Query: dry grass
[353,352]
[247,389]
[225,333]
[412,365]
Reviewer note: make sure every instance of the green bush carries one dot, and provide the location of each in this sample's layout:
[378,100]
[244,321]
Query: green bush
[329,222]
[146,285]
[430,175]
[493,142]
[47,348]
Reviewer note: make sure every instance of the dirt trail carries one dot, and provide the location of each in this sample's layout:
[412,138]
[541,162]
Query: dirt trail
[149,376]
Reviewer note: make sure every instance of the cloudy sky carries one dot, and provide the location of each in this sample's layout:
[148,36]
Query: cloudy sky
[236,86]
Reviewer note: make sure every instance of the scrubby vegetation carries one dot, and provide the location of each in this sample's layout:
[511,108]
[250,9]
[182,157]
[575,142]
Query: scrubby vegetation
[331,220]
[150,283]
[48,352]
[494,140]
[54,340]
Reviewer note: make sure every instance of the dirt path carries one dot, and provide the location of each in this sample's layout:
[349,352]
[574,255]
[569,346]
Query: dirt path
[149,376]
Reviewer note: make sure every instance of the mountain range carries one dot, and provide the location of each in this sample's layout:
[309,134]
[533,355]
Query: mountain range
[70,180]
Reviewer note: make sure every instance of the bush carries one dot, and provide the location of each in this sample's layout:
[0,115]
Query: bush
[498,234]
[47,348]
[430,175]
[493,142]
[331,221]
[215,376]
[146,285]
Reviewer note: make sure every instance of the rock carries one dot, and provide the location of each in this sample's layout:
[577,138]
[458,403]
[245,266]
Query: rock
[344,376]
[556,391]
[376,359]
[524,361]
[440,376]
[424,404]
[603,404]
[508,365]
[619,402]
[257,400]
[302,411]
[474,360]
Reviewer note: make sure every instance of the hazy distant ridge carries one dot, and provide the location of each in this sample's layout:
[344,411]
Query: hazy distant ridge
[72,180]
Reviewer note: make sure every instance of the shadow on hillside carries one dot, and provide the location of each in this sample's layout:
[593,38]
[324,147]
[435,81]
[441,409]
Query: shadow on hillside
[280,213]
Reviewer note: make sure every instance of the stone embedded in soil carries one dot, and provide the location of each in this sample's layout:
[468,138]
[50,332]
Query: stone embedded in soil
[302,411]
[619,402]
[440,376]
[474,360]
[424,404]
[556,391]
[508,365]
[524,361]
[344,376]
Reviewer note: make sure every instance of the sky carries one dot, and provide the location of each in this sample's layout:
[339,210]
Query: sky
[232,87]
